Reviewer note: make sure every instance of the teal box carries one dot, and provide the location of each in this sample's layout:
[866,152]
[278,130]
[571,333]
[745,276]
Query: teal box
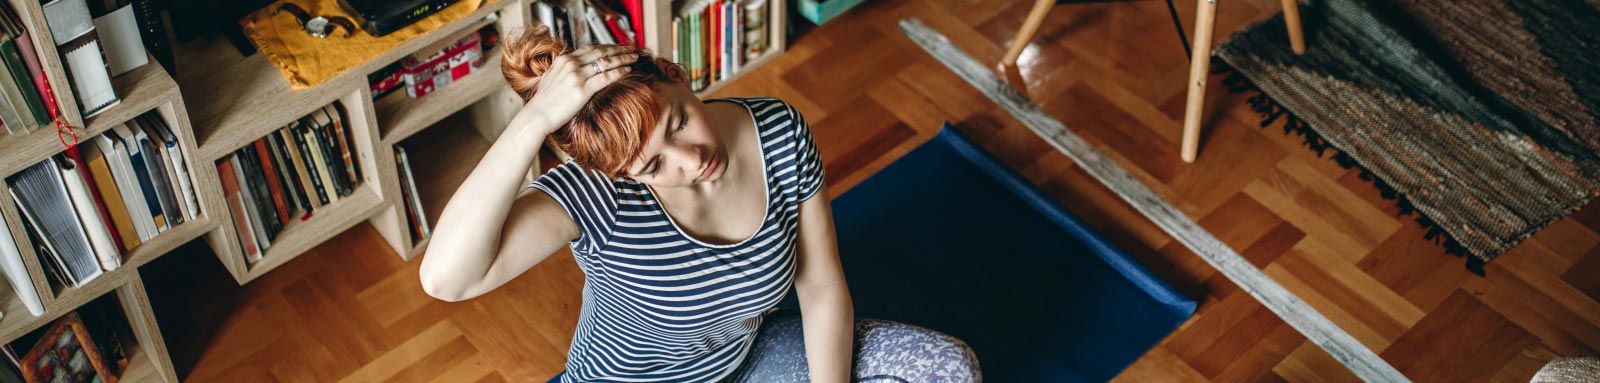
[820,11]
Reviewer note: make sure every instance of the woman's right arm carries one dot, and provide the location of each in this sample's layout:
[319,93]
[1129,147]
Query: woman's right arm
[487,234]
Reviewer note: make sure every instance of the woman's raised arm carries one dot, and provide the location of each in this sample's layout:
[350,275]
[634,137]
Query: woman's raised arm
[487,234]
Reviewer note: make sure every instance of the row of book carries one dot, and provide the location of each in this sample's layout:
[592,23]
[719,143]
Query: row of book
[83,209]
[618,22]
[85,345]
[416,218]
[714,42]
[287,175]
[25,99]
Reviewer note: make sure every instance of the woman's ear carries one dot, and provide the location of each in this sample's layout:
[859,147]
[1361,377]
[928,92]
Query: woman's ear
[671,69]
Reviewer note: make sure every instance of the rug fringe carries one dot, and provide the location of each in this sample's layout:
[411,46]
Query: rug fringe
[1271,111]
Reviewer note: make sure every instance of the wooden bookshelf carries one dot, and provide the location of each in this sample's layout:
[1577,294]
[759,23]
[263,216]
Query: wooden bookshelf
[222,101]
[235,99]
[659,15]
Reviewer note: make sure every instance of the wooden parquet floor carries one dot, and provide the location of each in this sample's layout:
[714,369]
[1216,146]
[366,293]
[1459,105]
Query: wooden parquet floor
[351,311]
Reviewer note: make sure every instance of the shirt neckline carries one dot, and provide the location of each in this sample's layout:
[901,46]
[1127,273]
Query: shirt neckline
[766,184]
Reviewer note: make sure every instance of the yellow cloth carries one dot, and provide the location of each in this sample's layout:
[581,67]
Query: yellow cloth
[307,61]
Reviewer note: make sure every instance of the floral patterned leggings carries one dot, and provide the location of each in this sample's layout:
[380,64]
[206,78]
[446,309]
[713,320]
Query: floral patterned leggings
[885,352]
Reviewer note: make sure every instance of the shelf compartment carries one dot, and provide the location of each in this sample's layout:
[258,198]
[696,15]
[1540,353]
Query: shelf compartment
[441,158]
[141,89]
[330,220]
[400,116]
[234,99]
[141,342]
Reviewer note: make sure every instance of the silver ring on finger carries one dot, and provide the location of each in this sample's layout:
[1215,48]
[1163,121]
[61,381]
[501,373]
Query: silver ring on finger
[596,66]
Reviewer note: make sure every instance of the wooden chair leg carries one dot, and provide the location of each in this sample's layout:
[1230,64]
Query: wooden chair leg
[1041,8]
[1291,18]
[1199,66]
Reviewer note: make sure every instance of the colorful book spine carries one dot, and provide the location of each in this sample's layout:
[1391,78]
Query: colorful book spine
[236,208]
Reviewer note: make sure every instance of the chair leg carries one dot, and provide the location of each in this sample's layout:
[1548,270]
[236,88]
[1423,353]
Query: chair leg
[1291,18]
[1041,8]
[1199,66]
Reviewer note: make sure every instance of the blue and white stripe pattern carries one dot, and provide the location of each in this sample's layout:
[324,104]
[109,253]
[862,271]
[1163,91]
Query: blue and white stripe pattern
[660,306]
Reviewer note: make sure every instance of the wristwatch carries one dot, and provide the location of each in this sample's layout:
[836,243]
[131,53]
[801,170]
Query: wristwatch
[318,26]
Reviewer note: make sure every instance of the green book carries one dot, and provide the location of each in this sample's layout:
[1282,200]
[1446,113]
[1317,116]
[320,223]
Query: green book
[22,82]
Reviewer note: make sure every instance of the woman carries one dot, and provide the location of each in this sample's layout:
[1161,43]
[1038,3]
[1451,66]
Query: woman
[690,219]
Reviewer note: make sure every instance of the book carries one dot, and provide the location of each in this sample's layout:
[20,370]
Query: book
[99,235]
[154,162]
[346,142]
[117,212]
[141,175]
[327,156]
[291,180]
[420,221]
[18,86]
[175,160]
[122,173]
[42,197]
[635,10]
[241,220]
[597,29]
[314,168]
[256,186]
[52,269]
[41,83]
[251,210]
[612,25]
[292,146]
[274,185]
[17,273]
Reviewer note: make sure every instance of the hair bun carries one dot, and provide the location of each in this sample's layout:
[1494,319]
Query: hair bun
[528,57]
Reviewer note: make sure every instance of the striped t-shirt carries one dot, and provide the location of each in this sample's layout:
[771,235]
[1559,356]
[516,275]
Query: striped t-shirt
[660,306]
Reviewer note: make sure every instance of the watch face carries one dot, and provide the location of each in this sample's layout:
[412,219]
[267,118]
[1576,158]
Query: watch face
[317,26]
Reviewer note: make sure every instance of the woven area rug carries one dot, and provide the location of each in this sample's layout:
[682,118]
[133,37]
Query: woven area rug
[1480,116]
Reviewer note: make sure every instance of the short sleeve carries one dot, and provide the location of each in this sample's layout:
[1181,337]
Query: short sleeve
[588,197]
[808,161]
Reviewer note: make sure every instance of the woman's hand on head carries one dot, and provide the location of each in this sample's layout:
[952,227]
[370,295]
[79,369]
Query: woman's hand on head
[573,78]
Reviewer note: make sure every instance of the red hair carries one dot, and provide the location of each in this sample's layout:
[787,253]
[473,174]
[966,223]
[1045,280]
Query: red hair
[610,130]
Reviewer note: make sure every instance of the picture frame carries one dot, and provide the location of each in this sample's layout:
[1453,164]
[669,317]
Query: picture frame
[66,353]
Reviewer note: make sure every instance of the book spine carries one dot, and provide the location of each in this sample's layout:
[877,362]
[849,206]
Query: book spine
[405,195]
[112,197]
[94,190]
[274,185]
[320,163]
[346,142]
[236,207]
[292,145]
[177,167]
[416,200]
[18,71]
[154,160]
[308,157]
[141,174]
[257,183]
[330,156]
[291,180]
[252,207]
[132,196]
[99,235]
[16,273]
